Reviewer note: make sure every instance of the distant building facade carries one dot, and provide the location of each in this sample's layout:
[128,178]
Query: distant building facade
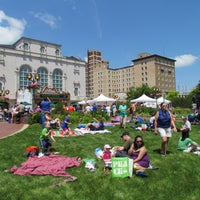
[154,70]
[29,56]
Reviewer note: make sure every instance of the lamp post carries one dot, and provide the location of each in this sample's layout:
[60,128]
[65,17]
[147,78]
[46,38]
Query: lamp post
[156,94]
[4,98]
[34,78]
[4,92]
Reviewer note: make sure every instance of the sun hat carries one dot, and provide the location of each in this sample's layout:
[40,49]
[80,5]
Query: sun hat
[107,146]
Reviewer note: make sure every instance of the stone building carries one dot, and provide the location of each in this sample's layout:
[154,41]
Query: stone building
[29,61]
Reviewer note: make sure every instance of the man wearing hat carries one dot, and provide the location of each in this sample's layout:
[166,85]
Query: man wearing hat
[122,151]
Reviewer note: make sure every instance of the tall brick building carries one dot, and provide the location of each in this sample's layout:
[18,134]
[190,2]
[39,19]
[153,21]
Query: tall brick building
[151,69]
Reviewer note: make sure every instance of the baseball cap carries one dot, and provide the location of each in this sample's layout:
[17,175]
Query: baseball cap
[125,133]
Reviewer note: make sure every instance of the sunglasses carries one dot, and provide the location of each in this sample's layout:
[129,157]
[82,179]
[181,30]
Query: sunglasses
[139,141]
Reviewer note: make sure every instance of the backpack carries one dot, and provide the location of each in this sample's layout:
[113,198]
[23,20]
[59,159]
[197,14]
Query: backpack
[32,151]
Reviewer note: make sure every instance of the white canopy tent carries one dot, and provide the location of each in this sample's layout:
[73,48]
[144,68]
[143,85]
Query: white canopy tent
[82,102]
[162,99]
[143,99]
[101,98]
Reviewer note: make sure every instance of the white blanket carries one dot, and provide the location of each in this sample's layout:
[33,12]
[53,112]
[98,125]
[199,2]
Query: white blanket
[83,131]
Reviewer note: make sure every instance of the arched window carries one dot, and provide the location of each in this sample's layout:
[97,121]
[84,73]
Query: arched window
[43,73]
[57,79]
[23,72]
[1,86]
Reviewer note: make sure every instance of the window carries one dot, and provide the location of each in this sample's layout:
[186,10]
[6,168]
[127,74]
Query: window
[23,72]
[57,79]
[76,92]
[57,52]
[1,86]
[42,50]
[43,73]
[25,46]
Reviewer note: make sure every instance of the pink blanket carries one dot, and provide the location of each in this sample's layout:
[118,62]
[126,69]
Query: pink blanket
[47,165]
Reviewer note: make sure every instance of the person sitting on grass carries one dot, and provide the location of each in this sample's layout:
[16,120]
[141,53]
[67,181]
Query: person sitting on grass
[138,153]
[65,124]
[97,126]
[107,156]
[186,127]
[122,151]
[185,144]
[45,142]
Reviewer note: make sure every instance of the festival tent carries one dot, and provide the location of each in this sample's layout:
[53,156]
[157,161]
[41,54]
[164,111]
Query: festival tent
[162,99]
[144,98]
[101,98]
[82,102]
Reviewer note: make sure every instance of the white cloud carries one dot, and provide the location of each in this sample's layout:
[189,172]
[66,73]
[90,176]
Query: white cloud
[46,18]
[85,59]
[185,60]
[11,29]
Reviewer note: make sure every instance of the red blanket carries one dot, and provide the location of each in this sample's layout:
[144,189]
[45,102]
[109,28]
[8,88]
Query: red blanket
[47,165]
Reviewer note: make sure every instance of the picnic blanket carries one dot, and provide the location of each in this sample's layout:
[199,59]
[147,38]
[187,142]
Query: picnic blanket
[57,133]
[105,124]
[54,165]
[83,131]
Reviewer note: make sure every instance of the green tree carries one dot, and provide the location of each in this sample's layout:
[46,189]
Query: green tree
[172,95]
[134,93]
[195,95]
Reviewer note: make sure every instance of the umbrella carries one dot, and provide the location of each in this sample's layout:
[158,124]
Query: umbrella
[27,103]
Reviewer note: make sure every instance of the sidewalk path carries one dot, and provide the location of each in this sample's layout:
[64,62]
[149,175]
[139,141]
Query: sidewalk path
[10,129]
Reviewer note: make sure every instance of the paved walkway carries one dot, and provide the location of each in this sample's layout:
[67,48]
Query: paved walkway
[10,129]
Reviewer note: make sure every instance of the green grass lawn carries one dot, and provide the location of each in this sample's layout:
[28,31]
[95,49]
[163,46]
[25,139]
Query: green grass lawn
[178,176]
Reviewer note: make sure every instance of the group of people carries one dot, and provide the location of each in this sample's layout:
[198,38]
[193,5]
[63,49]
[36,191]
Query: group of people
[164,124]
[49,124]
[133,149]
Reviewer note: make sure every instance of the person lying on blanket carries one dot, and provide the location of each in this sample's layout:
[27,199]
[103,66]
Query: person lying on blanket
[97,126]
[45,142]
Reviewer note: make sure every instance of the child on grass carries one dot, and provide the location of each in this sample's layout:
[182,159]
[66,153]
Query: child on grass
[107,156]
[45,142]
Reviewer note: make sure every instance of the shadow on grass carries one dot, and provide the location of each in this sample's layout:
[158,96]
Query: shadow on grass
[158,151]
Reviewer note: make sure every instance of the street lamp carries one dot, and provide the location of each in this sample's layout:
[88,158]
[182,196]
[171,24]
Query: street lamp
[3,97]
[4,92]
[33,77]
[34,85]
[156,94]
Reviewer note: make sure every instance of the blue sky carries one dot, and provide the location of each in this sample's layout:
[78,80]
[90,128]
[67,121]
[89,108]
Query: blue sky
[120,29]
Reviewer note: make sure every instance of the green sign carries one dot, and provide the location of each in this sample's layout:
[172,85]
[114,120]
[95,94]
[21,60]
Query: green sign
[122,167]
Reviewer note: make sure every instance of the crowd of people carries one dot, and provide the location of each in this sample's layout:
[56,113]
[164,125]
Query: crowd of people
[163,122]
